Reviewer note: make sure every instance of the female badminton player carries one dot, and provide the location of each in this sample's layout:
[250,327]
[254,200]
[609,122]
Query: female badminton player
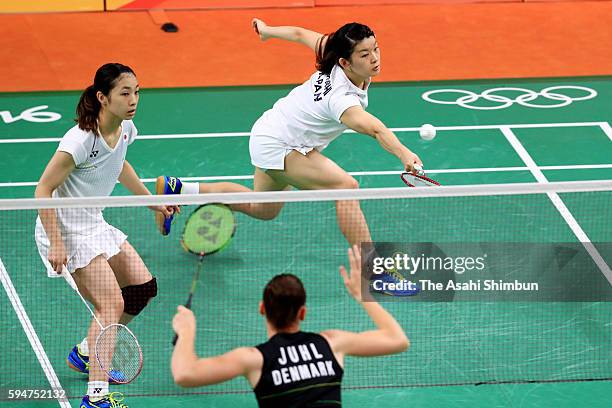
[108,271]
[287,141]
[293,368]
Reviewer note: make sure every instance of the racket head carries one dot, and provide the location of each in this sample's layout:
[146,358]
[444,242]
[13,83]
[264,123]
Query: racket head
[418,180]
[119,353]
[208,229]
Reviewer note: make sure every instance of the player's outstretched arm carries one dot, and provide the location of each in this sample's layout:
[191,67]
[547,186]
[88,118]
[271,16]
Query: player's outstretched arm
[190,371]
[361,121]
[300,35]
[388,338]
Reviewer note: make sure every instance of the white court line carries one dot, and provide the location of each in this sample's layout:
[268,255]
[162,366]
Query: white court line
[558,203]
[26,324]
[35,140]
[605,126]
[362,173]
[515,126]
[577,167]
[399,129]
[195,135]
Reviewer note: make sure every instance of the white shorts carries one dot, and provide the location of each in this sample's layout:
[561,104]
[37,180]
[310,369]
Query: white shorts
[81,249]
[268,153]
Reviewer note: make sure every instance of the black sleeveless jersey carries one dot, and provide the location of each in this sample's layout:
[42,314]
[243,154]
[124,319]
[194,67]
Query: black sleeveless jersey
[299,370]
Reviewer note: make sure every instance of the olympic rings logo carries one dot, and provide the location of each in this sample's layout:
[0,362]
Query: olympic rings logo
[525,99]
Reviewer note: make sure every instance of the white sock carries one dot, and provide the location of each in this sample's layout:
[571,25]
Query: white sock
[190,188]
[84,347]
[97,390]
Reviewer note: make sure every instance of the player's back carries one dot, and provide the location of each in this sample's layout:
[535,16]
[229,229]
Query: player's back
[299,370]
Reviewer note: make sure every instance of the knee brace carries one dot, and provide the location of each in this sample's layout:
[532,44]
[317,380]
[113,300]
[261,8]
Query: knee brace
[136,297]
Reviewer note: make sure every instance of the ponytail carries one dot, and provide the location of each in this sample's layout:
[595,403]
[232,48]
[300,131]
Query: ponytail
[88,109]
[340,44]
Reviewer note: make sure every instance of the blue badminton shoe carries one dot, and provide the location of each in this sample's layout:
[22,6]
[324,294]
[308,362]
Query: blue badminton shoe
[112,400]
[80,362]
[163,186]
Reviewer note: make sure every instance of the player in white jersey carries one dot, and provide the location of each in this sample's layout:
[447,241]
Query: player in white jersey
[88,162]
[286,142]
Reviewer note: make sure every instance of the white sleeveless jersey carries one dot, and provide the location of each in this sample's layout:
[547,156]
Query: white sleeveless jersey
[309,116]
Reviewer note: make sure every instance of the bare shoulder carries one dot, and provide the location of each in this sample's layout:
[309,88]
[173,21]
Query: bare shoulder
[250,357]
[329,335]
[336,338]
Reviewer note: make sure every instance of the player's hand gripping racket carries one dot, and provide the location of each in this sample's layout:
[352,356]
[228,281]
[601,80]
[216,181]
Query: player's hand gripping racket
[418,179]
[208,229]
[117,350]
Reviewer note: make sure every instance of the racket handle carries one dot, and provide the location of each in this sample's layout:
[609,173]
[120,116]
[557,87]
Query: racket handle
[69,278]
[419,170]
[188,306]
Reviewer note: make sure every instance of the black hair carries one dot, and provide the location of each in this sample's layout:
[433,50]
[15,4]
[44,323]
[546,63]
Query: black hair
[283,297]
[340,44]
[89,107]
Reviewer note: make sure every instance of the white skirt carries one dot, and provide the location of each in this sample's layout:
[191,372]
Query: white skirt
[81,249]
[268,153]
[271,142]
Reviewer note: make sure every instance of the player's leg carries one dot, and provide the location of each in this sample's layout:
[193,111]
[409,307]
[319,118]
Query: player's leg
[314,171]
[137,285]
[97,283]
[261,182]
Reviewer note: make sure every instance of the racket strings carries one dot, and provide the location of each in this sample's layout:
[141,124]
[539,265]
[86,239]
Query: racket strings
[208,229]
[119,353]
[416,180]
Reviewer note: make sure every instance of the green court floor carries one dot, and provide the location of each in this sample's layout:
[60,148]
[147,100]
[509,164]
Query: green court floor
[203,134]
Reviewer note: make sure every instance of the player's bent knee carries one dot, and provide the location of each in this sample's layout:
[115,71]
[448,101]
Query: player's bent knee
[267,216]
[112,308]
[268,212]
[136,297]
[349,183]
